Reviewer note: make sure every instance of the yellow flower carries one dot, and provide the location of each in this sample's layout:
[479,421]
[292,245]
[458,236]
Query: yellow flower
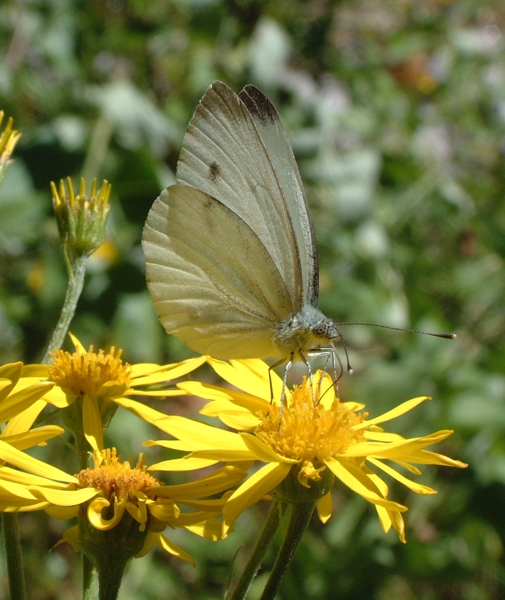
[91,383]
[21,402]
[306,445]
[111,494]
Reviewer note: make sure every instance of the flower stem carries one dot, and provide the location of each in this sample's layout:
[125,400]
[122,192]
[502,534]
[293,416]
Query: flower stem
[97,150]
[77,271]
[262,544]
[301,515]
[88,579]
[12,544]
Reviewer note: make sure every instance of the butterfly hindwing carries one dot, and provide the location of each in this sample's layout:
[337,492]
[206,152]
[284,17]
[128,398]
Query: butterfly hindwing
[213,282]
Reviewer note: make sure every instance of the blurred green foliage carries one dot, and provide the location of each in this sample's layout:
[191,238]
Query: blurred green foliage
[396,112]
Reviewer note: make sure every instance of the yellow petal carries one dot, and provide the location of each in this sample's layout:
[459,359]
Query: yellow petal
[379,483]
[415,487]
[153,393]
[183,464]
[95,509]
[137,511]
[325,508]
[217,394]
[399,525]
[411,468]
[34,437]
[211,529]
[406,449]
[390,518]
[225,455]
[9,488]
[260,450]
[6,385]
[241,418]
[20,505]
[213,506]
[399,410]
[23,421]
[141,410]
[218,481]
[250,374]
[426,457]
[71,536]
[77,344]
[199,436]
[164,543]
[170,444]
[25,479]
[354,406]
[146,374]
[63,513]
[32,465]
[354,478]
[16,402]
[11,372]
[111,390]
[63,497]
[36,370]
[166,511]
[253,489]
[382,436]
[143,369]
[92,423]
[58,398]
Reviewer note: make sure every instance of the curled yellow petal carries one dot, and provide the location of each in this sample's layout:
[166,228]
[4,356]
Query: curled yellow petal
[95,509]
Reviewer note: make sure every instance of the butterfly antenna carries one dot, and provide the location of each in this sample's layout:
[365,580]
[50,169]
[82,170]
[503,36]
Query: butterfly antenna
[447,336]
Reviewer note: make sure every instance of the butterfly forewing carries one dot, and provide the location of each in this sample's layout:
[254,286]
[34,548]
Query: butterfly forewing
[224,156]
[276,142]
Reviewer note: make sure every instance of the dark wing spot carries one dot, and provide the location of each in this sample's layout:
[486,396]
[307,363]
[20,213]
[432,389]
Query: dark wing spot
[259,105]
[208,203]
[214,171]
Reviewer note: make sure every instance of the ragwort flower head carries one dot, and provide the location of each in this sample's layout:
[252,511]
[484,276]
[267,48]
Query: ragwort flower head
[122,508]
[306,445]
[89,385]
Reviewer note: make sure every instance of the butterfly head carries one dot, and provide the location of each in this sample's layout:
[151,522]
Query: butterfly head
[304,331]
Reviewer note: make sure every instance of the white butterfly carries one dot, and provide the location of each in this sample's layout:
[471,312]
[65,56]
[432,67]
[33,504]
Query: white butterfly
[230,251]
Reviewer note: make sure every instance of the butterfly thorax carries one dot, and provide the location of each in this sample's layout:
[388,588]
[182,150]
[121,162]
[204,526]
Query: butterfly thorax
[306,330]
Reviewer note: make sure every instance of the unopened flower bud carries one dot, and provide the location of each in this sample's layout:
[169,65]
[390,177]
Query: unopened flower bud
[8,139]
[81,218]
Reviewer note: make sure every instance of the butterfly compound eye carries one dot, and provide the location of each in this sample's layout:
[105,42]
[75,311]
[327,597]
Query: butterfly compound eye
[326,329]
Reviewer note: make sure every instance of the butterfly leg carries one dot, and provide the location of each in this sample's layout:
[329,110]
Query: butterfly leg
[311,378]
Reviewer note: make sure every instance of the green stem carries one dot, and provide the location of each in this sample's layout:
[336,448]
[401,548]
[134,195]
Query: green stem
[12,544]
[77,271]
[301,515]
[97,150]
[74,289]
[110,551]
[262,544]
[109,583]
[88,579]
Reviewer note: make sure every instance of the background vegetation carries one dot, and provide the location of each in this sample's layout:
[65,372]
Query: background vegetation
[396,112]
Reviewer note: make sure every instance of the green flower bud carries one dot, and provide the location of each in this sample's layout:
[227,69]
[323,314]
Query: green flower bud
[81,219]
[8,139]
